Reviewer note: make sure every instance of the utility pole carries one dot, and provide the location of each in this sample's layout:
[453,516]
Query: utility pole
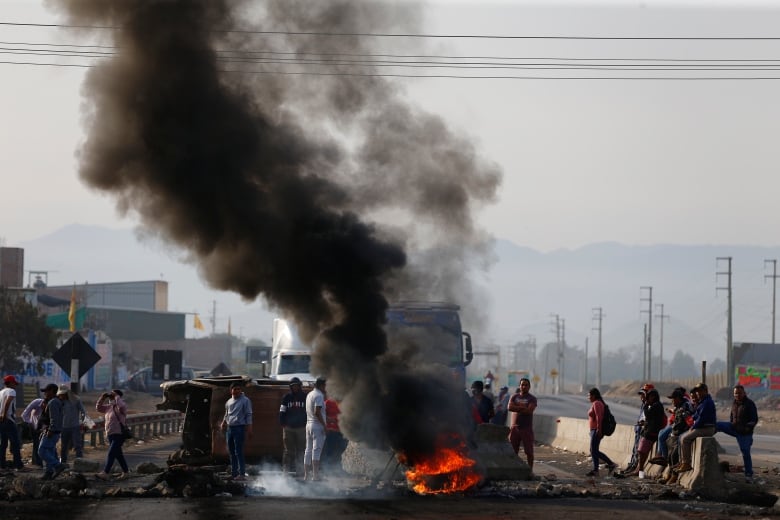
[649,341]
[729,330]
[644,352]
[661,317]
[598,316]
[562,370]
[585,376]
[773,276]
[532,341]
[557,325]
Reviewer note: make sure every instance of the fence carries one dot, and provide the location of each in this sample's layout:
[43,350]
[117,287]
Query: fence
[143,426]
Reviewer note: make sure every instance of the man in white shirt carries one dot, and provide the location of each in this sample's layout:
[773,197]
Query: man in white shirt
[315,430]
[9,434]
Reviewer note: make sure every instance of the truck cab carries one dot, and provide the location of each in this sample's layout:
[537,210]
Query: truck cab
[290,356]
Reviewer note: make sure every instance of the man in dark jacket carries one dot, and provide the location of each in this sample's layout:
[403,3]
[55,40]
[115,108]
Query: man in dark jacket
[292,417]
[654,420]
[742,420]
[704,420]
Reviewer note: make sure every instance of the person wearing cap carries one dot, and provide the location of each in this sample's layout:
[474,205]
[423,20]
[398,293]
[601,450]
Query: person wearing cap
[654,420]
[633,463]
[73,414]
[680,410]
[32,416]
[47,449]
[114,411]
[704,420]
[681,415]
[742,421]
[237,424]
[9,434]
[292,418]
[316,427]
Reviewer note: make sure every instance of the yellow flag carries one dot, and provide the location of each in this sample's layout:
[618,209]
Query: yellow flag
[198,324]
[72,310]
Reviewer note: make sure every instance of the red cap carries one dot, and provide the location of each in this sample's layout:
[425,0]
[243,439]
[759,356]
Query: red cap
[648,386]
[10,380]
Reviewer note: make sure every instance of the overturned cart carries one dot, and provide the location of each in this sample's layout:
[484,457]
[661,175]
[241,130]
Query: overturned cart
[203,403]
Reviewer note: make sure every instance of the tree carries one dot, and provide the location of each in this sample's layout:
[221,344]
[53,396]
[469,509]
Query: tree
[23,332]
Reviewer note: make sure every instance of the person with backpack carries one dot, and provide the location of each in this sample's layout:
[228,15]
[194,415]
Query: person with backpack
[596,416]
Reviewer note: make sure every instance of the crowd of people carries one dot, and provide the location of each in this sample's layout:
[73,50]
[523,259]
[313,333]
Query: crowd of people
[55,422]
[671,432]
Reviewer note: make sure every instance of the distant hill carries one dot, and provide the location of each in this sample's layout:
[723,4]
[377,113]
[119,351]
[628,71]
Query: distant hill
[525,288]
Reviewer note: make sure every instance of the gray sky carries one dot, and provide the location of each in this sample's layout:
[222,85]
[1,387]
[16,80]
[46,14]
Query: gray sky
[633,161]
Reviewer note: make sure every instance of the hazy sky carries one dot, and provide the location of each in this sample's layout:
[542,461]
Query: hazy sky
[637,161]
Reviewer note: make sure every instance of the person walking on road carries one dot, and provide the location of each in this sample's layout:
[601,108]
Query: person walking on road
[9,433]
[47,448]
[704,420]
[316,427]
[114,409]
[237,424]
[522,406]
[742,421]
[595,423]
[292,417]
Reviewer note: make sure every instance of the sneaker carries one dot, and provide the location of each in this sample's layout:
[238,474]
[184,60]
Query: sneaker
[611,468]
[239,478]
[102,476]
[748,479]
[123,476]
[592,473]
[59,468]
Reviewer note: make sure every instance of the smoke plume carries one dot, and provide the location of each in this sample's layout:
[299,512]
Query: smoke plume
[313,191]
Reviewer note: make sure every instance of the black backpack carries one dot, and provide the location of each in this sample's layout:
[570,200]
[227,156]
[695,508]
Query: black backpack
[609,424]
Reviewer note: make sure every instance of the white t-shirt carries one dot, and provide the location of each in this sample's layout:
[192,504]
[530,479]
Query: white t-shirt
[313,400]
[6,394]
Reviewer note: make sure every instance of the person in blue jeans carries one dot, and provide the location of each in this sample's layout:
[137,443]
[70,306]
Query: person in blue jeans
[237,425]
[595,423]
[114,409]
[47,448]
[742,421]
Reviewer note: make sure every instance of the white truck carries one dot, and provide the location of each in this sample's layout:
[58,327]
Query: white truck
[290,357]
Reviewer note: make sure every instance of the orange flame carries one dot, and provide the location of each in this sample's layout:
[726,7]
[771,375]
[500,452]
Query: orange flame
[448,470]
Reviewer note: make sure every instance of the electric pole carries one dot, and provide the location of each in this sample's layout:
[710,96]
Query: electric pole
[661,317]
[649,341]
[532,342]
[585,376]
[773,276]
[213,317]
[729,330]
[598,316]
[562,370]
[557,380]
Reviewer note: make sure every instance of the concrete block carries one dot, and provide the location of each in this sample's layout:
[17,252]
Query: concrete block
[706,476]
[496,459]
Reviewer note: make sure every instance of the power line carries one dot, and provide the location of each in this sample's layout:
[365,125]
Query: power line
[428,35]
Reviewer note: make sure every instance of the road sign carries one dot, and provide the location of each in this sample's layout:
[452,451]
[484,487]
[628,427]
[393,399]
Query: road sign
[553,373]
[536,379]
[76,351]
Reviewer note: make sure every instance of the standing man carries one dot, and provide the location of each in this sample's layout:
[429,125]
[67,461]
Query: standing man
[315,430]
[32,415]
[481,405]
[8,430]
[522,406]
[73,414]
[237,425]
[47,449]
[742,421]
[704,420]
[292,417]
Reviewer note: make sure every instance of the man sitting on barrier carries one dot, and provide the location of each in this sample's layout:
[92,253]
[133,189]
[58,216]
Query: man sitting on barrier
[704,419]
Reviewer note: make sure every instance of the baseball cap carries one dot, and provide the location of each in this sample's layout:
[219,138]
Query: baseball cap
[10,380]
[51,387]
[295,381]
[646,388]
[677,392]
